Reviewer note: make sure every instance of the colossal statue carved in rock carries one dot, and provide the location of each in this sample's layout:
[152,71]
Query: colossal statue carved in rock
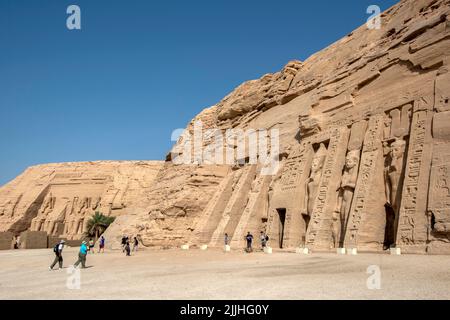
[393,175]
[394,171]
[345,193]
[312,183]
[38,223]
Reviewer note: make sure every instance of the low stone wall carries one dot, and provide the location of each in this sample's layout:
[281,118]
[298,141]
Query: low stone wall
[73,243]
[33,240]
[52,241]
[6,240]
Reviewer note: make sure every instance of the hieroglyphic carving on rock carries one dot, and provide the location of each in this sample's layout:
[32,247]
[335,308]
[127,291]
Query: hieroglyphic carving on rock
[320,225]
[312,183]
[439,192]
[412,220]
[371,150]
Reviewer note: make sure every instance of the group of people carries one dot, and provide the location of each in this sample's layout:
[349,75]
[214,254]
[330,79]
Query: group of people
[58,250]
[126,245]
[264,238]
[85,248]
[101,245]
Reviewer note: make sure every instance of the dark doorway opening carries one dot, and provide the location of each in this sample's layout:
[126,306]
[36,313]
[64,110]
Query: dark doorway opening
[306,218]
[282,219]
[389,232]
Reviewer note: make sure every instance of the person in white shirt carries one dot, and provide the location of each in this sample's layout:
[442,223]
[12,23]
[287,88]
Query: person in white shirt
[57,249]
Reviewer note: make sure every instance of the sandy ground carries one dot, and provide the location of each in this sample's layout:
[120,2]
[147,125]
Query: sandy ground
[213,274]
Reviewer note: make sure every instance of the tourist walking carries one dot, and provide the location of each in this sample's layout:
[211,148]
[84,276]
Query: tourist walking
[124,242]
[127,248]
[58,249]
[135,244]
[101,246]
[91,246]
[82,255]
[17,243]
[263,239]
[249,239]
[227,239]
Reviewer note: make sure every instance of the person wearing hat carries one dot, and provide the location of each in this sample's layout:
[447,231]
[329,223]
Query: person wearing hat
[82,255]
[57,249]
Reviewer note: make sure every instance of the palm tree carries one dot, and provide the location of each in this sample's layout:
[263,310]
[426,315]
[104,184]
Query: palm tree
[97,224]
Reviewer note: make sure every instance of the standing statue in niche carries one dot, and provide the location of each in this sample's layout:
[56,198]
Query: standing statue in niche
[335,230]
[38,223]
[312,183]
[394,171]
[346,191]
[393,174]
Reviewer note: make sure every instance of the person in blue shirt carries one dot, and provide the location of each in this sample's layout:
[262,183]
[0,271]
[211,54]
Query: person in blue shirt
[82,255]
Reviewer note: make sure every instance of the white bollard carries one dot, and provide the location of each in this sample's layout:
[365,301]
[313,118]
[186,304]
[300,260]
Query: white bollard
[185,247]
[302,250]
[268,250]
[204,247]
[395,251]
[227,248]
[340,250]
[352,251]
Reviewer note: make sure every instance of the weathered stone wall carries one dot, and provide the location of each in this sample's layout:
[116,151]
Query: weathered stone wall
[6,240]
[33,240]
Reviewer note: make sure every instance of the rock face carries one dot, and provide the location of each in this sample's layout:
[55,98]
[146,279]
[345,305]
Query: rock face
[59,198]
[364,149]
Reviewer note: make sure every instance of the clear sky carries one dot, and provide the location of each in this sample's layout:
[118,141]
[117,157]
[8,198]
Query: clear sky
[138,69]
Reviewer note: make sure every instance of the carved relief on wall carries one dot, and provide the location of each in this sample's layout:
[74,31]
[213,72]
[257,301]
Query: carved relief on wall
[309,125]
[438,206]
[395,146]
[345,196]
[38,223]
[64,216]
[293,168]
[367,170]
[312,183]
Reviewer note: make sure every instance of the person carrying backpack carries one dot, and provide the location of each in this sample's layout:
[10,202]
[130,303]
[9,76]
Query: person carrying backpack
[57,249]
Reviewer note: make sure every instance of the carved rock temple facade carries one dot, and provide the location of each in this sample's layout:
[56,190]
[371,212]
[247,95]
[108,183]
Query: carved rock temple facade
[364,157]
[60,198]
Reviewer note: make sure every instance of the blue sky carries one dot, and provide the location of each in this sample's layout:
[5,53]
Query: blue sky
[137,70]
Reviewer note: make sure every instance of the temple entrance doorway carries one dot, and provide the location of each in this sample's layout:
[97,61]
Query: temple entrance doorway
[282,219]
[389,232]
